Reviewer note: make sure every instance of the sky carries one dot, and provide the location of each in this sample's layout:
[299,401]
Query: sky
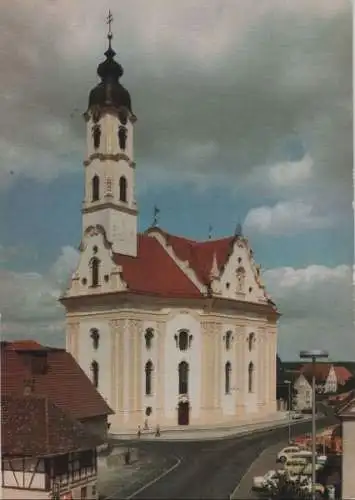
[244,116]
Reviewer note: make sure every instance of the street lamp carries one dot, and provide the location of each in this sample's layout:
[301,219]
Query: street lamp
[313,355]
[288,383]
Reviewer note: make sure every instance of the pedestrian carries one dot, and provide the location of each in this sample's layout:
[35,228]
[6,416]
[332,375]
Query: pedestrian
[139,432]
[157,431]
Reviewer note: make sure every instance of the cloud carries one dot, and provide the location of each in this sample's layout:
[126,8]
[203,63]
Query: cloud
[285,218]
[291,173]
[317,307]
[29,301]
[218,89]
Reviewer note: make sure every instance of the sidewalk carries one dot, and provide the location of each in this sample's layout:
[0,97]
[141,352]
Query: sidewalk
[225,431]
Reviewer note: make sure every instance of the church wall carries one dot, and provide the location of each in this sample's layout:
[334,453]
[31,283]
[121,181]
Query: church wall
[109,124]
[151,354]
[228,401]
[251,398]
[228,281]
[86,352]
[173,356]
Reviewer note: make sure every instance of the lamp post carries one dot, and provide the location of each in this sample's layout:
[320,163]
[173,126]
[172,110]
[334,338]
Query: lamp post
[288,383]
[313,355]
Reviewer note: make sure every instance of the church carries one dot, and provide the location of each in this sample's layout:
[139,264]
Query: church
[171,331]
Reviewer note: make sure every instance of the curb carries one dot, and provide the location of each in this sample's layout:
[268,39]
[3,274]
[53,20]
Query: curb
[241,431]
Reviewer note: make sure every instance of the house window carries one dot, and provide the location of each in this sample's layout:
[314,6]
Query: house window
[228,370]
[96,133]
[95,373]
[122,137]
[95,272]
[228,340]
[95,188]
[149,334]
[251,377]
[251,339]
[148,378]
[94,334]
[183,378]
[123,189]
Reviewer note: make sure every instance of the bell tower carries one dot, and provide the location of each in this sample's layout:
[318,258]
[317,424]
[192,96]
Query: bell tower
[109,198]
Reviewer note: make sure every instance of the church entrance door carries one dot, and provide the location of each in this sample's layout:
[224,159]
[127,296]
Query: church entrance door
[183,413]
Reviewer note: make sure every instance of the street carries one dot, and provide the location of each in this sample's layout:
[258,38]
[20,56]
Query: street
[211,469]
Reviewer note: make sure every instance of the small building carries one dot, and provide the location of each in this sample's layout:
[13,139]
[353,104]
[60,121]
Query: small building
[328,377]
[44,452]
[30,368]
[347,416]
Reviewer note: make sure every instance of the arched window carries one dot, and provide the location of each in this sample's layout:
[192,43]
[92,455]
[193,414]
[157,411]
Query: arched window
[95,272]
[94,334]
[123,189]
[227,379]
[251,338]
[228,340]
[95,373]
[148,377]
[122,137]
[96,133]
[149,334]
[251,377]
[183,378]
[95,188]
[182,340]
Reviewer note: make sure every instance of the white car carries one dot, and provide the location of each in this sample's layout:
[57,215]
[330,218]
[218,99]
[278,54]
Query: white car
[285,453]
[262,482]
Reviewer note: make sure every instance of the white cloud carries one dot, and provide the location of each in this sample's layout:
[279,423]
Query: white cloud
[290,217]
[291,173]
[317,307]
[217,88]
[29,301]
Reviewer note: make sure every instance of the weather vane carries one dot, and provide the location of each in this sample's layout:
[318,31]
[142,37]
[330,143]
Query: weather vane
[155,217]
[109,22]
[210,229]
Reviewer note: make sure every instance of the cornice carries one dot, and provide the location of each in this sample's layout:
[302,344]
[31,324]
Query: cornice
[109,204]
[109,157]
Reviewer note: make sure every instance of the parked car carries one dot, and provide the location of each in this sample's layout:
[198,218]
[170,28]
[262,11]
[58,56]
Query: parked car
[262,482]
[283,455]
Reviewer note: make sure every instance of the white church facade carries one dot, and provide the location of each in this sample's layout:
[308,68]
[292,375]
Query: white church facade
[170,330]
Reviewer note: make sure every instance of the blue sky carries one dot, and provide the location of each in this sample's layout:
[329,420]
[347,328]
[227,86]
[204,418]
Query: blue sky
[244,115]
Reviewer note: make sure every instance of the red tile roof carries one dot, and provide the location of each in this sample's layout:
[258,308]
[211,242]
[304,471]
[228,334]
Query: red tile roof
[63,381]
[343,374]
[154,272]
[200,254]
[35,426]
[322,372]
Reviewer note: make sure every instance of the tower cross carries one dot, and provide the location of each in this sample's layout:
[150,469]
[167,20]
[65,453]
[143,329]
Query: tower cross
[109,21]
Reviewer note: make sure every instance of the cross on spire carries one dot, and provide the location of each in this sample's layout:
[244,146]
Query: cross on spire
[109,21]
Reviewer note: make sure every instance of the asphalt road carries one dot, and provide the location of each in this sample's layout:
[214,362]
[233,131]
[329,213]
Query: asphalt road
[212,469]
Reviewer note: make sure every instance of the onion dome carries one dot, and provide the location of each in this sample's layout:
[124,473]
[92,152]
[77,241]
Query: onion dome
[110,92]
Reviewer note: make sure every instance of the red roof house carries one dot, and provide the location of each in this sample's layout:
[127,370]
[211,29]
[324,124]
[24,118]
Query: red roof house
[30,368]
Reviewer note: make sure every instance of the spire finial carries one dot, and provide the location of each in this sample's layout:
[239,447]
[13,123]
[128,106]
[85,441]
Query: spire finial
[109,21]
[238,230]
[155,216]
